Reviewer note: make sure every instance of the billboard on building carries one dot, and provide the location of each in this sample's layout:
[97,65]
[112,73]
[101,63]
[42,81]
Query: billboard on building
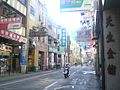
[75,5]
[11,23]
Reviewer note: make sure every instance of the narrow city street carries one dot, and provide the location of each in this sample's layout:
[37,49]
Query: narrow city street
[81,78]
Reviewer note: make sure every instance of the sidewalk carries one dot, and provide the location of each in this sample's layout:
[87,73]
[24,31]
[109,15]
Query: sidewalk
[14,76]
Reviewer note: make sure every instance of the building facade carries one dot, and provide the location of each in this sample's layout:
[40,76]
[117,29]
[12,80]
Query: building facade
[13,38]
[107,33]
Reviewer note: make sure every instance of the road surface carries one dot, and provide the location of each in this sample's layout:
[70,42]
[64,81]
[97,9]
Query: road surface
[81,78]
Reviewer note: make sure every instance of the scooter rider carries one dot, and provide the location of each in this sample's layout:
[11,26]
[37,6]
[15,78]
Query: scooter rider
[66,68]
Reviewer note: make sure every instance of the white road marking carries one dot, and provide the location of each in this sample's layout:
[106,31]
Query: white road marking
[50,85]
[73,87]
[88,72]
[25,79]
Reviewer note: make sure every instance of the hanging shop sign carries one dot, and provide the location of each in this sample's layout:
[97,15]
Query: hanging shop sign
[83,35]
[23,56]
[12,36]
[75,5]
[63,37]
[11,23]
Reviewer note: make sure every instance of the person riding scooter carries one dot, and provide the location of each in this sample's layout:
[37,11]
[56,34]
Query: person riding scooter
[66,71]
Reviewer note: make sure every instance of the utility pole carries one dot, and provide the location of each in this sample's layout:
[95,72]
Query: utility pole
[102,44]
[27,31]
[68,47]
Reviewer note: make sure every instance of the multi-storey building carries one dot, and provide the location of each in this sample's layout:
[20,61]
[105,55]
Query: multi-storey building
[75,55]
[52,44]
[13,33]
[38,42]
[43,38]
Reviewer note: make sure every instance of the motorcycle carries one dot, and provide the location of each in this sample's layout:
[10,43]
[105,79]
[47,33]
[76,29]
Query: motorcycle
[66,73]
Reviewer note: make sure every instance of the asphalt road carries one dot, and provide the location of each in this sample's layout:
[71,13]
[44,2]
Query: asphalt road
[81,78]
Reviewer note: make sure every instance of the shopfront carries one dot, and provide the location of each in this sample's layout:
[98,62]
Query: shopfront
[12,36]
[52,57]
[10,52]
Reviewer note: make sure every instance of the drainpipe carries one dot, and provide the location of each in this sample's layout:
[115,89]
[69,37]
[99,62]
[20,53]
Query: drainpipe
[102,44]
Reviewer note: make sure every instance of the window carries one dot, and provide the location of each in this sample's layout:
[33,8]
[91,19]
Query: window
[43,39]
[58,36]
[32,11]
[49,42]
[24,2]
[39,18]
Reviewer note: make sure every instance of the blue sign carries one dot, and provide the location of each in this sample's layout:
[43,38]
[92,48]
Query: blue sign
[32,10]
[63,37]
[23,56]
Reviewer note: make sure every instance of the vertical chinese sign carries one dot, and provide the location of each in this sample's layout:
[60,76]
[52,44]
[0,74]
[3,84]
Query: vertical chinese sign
[63,37]
[111,25]
[23,55]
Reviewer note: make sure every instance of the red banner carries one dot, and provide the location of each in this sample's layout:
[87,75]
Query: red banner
[10,23]
[4,26]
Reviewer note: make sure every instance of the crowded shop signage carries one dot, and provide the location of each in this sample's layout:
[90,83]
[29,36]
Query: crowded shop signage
[12,36]
[110,39]
[11,23]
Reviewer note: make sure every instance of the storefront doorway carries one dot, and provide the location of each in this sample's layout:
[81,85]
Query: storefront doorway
[41,60]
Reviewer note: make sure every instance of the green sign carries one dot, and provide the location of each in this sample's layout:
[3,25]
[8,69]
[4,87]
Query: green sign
[75,5]
[71,3]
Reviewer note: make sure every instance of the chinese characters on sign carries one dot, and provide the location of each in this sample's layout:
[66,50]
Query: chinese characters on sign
[109,22]
[111,69]
[63,37]
[110,38]
[110,53]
